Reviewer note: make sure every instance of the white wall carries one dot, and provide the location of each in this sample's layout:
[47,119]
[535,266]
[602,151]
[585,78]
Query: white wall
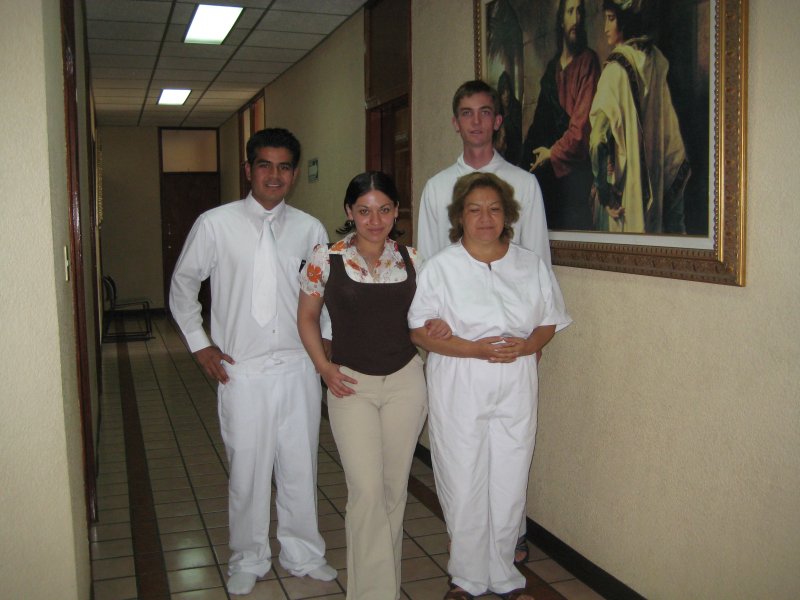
[44,548]
[321,101]
[668,450]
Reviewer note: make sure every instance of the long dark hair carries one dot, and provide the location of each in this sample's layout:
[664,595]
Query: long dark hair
[366,182]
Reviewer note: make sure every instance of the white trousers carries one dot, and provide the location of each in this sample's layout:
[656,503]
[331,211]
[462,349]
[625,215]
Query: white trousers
[270,422]
[482,427]
[376,431]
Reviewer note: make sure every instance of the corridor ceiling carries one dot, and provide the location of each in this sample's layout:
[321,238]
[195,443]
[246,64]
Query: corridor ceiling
[136,48]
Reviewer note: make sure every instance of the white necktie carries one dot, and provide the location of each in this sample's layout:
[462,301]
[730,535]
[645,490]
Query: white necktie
[265,276]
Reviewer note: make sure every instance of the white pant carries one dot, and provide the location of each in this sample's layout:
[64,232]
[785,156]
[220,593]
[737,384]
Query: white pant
[270,419]
[482,429]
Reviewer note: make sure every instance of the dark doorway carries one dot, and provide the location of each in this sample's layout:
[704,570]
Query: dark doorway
[184,196]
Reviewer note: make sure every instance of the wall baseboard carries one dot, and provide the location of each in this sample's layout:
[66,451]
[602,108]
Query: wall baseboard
[585,570]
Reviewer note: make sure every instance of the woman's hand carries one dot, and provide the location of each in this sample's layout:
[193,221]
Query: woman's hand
[336,380]
[438,329]
[497,349]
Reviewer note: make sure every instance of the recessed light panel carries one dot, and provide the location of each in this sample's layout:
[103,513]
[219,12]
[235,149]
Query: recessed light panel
[173,97]
[211,23]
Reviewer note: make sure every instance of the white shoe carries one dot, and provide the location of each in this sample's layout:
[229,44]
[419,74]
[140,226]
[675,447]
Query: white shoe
[241,583]
[323,573]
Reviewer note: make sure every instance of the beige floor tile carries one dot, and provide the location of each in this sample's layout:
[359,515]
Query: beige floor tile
[212,491]
[266,590]
[184,539]
[115,589]
[330,522]
[337,558]
[424,526]
[111,549]
[211,594]
[426,589]
[413,569]
[215,520]
[176,509]
[194,579]
[176,524]
[306,587]
[113,531]
[334,491]
[550,570]
[189,559]
[114,515]
[211,505]
[170,496]
[433,544]
[113,568]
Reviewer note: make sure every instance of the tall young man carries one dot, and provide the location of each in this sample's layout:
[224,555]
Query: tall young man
[269,393]
[476,117]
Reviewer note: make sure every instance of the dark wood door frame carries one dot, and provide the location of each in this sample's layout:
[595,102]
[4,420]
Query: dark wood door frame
[76,254]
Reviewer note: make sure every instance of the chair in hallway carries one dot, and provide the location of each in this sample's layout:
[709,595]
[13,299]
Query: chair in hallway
[116,310]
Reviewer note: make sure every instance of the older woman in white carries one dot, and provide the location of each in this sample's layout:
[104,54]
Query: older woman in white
[503,305]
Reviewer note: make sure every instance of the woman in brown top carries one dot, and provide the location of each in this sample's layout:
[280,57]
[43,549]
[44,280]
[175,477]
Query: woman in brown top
[377,396]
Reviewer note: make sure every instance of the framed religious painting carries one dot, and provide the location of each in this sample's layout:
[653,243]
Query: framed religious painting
[631,114]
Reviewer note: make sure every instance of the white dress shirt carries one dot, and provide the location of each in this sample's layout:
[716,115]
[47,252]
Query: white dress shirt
[222,245]
[530,231]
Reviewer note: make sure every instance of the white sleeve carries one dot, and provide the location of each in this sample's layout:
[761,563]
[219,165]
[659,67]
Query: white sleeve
[427,300]
[428,228]
[324,318]
[555,312]
[194,265]
[533,223]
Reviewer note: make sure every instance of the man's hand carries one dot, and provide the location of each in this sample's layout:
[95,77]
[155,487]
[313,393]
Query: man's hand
[210,358]
[540,156]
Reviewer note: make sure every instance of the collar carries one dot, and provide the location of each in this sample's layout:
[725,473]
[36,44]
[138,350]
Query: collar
[258,213]
[348,243]
[490,167]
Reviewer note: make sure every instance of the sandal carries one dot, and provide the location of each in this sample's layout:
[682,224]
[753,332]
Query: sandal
[456,593]
[522,551]
[517,594]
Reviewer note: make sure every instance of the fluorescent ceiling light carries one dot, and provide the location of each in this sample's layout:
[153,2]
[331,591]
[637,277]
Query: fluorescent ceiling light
[176,97]
[211,24]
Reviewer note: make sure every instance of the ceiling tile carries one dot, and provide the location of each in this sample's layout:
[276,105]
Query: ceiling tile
[118,30]
[280,20]
[331,7]
[284,39]
[142,11]
[122,47]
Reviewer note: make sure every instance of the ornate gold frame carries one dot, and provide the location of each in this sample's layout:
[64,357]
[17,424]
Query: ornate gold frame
[725,263]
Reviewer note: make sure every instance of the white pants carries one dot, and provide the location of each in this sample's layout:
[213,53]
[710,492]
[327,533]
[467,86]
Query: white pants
[270,421]
[376,431]
[482,429]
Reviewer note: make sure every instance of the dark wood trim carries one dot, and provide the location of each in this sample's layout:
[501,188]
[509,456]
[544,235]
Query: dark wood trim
[76,255]
[573,561]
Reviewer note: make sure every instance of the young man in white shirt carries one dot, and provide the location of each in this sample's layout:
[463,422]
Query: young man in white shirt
[269,393]
[476,118]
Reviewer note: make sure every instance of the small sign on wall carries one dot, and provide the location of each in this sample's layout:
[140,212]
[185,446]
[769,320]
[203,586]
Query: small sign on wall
[313,170]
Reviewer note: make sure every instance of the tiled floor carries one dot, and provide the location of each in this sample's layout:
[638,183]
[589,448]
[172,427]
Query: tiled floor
[160,432]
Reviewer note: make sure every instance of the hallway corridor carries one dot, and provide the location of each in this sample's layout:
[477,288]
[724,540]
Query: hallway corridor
[162,488]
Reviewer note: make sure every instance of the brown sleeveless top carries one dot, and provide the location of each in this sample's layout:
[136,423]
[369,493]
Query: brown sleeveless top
[369,320]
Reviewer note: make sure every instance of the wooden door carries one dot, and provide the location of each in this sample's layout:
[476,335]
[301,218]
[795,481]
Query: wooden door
[184,196]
